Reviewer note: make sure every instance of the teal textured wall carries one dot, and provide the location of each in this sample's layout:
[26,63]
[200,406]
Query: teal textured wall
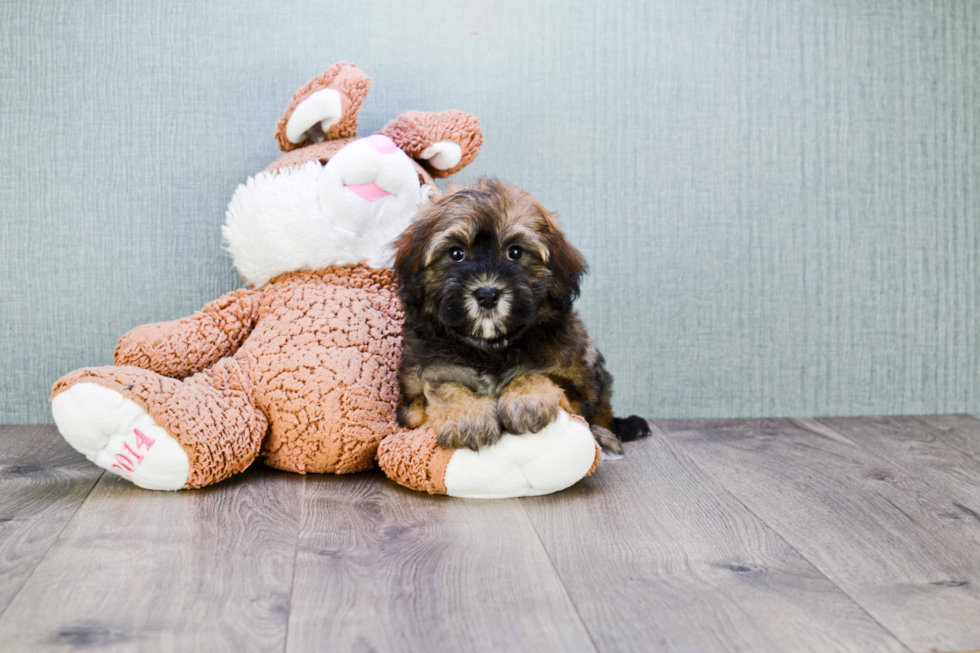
[780,201]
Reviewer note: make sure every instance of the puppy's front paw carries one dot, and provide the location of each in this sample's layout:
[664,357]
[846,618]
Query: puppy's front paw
[461,417]
[527,413]
[470,431]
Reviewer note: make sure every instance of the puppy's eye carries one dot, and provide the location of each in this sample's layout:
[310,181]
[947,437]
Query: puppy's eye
[515,253]
[456,254]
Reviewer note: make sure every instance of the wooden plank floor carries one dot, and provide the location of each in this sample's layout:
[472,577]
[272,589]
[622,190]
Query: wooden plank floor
[846,534]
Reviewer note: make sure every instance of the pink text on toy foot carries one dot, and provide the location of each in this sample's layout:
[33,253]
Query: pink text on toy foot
[128,463]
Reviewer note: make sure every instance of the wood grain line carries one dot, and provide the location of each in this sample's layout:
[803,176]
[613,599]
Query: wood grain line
[205,570]
[383,568]
[656,554]
[880,531]
[43,482]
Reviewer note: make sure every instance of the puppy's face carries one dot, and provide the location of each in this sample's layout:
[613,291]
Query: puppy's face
[487,262]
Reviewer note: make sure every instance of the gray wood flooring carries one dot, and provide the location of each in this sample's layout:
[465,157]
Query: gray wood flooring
[845,534]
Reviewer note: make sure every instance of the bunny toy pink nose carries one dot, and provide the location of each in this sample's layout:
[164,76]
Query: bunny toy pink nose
[382,143]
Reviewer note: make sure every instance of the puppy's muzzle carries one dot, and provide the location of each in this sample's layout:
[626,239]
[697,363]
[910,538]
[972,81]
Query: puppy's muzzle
[487,297]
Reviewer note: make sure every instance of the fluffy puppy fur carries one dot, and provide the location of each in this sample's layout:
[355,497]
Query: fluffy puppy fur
[491,343]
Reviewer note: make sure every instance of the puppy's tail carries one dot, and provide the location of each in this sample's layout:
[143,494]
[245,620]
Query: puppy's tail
[630,428]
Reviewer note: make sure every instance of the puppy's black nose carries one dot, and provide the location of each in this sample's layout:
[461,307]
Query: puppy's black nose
[486,296]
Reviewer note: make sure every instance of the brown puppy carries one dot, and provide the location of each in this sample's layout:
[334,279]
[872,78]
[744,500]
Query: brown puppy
[491,343]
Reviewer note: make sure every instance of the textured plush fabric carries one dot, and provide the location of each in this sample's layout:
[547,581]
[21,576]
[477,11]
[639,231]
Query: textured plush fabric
[334,347]
[321,152]
[353,86]
[414,131]
[314,353]
[415,460]
[211,414]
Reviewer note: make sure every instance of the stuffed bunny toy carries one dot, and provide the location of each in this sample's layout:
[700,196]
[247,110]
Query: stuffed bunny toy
[300,368]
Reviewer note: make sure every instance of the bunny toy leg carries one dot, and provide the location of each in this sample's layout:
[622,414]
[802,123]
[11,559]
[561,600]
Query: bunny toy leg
[532,464]
[158,432]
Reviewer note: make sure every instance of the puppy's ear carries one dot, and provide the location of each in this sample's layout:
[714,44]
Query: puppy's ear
[410,250]
[566,265]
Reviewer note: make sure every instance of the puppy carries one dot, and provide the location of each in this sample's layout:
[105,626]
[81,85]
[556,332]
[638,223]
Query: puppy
[491,343]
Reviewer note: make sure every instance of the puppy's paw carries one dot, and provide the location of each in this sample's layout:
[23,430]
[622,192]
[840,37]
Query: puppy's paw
[529,403]
[527,413]
[461,417]
[612,447]
[473,430]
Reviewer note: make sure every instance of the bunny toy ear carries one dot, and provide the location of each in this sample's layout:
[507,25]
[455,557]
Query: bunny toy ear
[442,143]
[325,108]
